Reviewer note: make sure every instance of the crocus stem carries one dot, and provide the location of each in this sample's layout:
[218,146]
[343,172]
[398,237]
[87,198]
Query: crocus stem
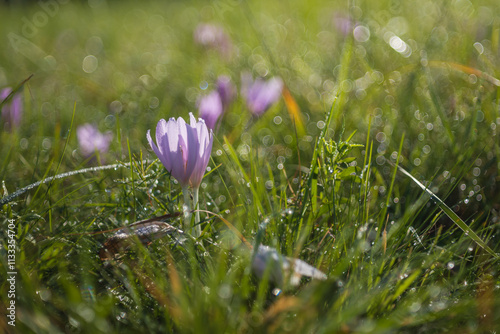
[197,214]
[187,208]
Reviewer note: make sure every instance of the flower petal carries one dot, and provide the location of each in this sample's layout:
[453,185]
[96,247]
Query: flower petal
[205,139]
[163,144]
[180,154]
[163,158]
[193,143]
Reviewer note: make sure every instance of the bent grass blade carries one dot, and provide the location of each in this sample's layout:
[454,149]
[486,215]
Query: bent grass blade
[9,198]
[452,215]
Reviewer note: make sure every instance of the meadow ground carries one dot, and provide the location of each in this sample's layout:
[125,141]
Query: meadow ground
[369,149]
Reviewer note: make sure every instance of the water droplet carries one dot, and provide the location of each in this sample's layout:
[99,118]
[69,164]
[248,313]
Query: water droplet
[89,64]
[450,265]
[225,291]
[203,85]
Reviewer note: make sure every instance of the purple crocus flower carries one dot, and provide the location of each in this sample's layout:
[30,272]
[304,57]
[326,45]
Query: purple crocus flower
[213,36]
[211,109]
[212,106]
[12,110]
[184,149]
[259,94]
[91,140]
[226,90]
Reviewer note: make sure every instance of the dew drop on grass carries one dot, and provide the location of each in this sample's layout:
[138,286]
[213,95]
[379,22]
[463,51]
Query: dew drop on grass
[89,64]
[415,307]
[23,143]
[361,33]
[450,265]
[225,291]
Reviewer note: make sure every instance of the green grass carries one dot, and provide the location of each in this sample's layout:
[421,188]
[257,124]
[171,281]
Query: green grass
[402,254]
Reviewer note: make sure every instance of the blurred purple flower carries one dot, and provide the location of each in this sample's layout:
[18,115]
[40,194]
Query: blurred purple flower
[212,106]
[12,110]
[211,109]
[259,94]
[226,89]
[91,140]
[213,36]
[343,23]
[184,149]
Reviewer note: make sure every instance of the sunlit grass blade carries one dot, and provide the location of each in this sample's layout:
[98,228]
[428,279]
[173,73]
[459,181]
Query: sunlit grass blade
[382,217]
[294,111]
[236,160]
[19,192]
[231,227]
[438,105]
[465,69]
[452,215]
[15,90]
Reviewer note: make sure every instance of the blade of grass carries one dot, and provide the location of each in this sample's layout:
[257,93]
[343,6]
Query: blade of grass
[14,91]
[294,111]
[132,176]
[17,193]
[465,69]
[235,159]
[438,105]
[452,215]
[383,213]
